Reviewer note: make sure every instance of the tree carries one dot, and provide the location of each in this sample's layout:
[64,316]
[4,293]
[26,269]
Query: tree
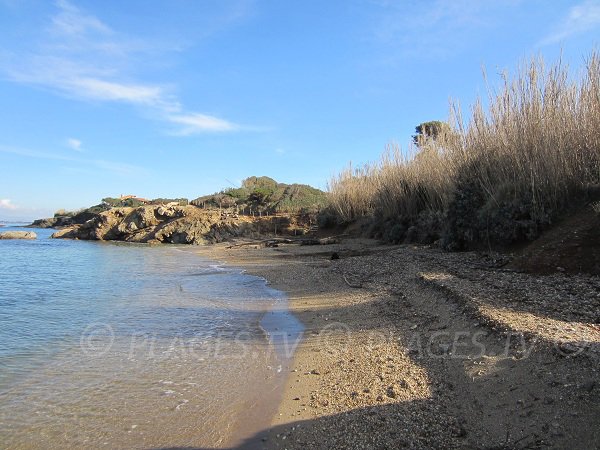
[260,195]
[429,130]
[111,201]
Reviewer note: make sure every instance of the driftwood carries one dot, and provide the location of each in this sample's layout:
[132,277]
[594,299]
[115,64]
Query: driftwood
[265,242]
[322,241]
[272,242]
[356,286]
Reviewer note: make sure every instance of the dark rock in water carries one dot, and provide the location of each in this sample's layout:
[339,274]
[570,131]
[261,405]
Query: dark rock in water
[334,256]
[44,223]
[18,235]
[63,221]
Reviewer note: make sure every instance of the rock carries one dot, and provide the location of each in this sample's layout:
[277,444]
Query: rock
[461,431]
[18,235]
[166,211]
[335,256]
[44,223]
[445,348]
[158,224]
[588,386]
[390,392]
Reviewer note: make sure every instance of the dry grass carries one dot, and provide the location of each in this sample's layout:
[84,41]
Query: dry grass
[537,144]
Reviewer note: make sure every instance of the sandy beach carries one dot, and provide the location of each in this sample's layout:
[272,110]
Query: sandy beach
[413,347]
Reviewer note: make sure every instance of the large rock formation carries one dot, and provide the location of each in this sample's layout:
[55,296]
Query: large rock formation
[162,224]
[18,235]
[64,221]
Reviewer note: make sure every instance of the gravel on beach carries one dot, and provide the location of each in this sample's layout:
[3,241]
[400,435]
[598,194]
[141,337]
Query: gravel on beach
[412,347]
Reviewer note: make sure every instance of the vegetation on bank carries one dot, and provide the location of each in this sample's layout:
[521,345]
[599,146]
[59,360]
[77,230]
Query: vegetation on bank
[134,202]
[265,195]
[517,166]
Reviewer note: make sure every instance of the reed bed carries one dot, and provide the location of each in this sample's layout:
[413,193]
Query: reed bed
[519,162]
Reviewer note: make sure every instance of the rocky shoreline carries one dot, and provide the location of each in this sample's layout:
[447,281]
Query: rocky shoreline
[170,225]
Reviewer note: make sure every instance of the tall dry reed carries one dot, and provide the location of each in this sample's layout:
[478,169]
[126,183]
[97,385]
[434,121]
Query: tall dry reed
[538,142]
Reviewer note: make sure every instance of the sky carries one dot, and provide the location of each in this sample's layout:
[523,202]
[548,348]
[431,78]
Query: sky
[181,98]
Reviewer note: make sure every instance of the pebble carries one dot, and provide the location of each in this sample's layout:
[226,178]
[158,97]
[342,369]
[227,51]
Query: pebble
[589,386]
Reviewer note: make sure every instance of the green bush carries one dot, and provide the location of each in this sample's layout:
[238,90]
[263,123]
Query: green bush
[266,195]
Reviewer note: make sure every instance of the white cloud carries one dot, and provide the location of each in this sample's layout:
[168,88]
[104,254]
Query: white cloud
[71,20]
[199,123]
[84,58]
[581,18]
[74,144]
[118,168]
[5,203]
[112,91]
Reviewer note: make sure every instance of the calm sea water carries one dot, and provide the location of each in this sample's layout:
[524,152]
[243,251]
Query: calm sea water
[130,346]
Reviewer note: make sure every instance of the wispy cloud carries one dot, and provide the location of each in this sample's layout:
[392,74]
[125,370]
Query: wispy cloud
[197,123]
[71,20]
[118,168]
[82,57]
[5,203]
[434,29]
[113,91]
[74,144]
[581,18]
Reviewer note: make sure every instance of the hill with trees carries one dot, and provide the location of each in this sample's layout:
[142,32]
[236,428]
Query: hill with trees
[265,195]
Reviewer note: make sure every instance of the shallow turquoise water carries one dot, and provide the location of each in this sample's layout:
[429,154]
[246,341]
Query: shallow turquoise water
[95,336]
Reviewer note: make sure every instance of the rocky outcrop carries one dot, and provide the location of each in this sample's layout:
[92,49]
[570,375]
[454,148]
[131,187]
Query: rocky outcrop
[50,222]
[62,221]
[18,235]
[161,224]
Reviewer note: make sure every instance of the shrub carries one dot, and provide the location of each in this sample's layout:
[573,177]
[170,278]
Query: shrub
[327,219]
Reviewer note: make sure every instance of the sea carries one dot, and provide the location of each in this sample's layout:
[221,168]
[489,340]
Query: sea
[115,345]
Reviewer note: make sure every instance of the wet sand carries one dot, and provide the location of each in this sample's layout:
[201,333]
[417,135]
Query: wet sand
[413,347]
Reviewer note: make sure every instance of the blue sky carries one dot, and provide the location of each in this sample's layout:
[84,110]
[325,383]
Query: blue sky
[178,98]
